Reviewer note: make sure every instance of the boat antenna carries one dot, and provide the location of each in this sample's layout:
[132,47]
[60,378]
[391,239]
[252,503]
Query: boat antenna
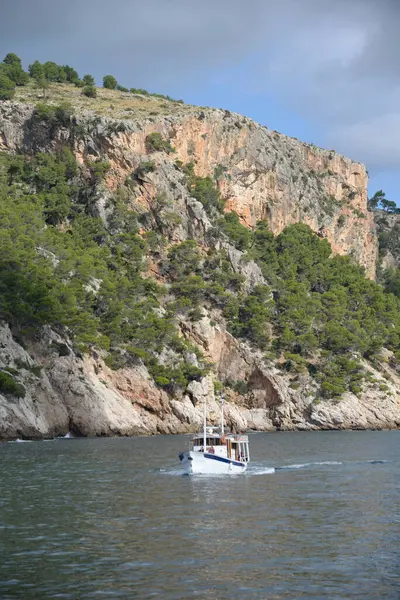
[205,424]
[222,412]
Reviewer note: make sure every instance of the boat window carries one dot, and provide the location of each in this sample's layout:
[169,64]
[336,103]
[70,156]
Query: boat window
[209,442]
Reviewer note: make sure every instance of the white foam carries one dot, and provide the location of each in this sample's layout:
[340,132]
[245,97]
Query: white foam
[67,436]
[311,464]
[261,471]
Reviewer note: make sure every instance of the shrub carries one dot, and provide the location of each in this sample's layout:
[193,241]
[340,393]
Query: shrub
[98,169]
[71,74]
[145,167]
[7,87]
[239,235]
[341,221]
[139,91]
[42,84]
[219,171]
[54,72]
[89,91]
[204,190]
[12,59]
[54,115]
[121,88]
[109,82]
[295,363]
[241,387]
[88,80]
[156,143]
[17,75]
[8,385]
[36,70]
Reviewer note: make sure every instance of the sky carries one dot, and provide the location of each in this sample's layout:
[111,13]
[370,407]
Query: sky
[324,71]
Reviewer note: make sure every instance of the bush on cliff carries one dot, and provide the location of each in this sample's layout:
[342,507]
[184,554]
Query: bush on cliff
[109,82]
[156,143]
[7,87]
[9,386]
[12,68]
[89,91]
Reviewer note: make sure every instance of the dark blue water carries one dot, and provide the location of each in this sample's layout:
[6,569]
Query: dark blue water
[112,518]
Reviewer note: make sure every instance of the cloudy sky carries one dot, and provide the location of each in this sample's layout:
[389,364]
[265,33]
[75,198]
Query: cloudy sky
[325,71]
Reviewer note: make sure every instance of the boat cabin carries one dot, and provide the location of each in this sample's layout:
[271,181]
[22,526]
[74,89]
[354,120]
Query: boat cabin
[232,446]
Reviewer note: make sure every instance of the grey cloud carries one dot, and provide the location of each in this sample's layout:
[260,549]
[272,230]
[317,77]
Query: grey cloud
[152,39]
[334,63]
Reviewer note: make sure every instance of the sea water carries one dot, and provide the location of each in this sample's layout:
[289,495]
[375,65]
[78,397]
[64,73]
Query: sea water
[317,515]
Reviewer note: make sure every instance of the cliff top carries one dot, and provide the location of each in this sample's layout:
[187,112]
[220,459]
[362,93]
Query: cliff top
[114,105]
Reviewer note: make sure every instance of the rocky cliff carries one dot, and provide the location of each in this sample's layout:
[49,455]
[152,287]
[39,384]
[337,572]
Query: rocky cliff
[260,174]
[388,230]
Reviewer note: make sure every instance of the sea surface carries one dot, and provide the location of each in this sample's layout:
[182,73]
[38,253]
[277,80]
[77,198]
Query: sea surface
[317,515]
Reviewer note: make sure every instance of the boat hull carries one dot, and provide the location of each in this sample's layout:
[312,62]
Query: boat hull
[210,464]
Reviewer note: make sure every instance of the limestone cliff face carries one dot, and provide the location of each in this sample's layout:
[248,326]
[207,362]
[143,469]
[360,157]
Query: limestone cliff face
[86,398]
[262,174]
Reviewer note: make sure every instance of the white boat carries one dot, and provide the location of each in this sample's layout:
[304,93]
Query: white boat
[215,452]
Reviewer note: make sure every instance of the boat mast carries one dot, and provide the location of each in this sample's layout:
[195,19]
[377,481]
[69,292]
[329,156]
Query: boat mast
[222,413]
[205,424]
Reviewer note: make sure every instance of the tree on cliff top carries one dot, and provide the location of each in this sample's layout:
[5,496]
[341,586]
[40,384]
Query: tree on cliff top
[379,200]
[12,68]
[110,82]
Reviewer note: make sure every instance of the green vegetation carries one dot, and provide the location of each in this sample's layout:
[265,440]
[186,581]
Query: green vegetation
[239,235]
[389,243]
[203,189]
[379,201]
[9,386]
[156,143]
[89,91]
[318,311]
[7,87]
[60,266]
[110,82]
[88,80]
[12,74]
[12,68]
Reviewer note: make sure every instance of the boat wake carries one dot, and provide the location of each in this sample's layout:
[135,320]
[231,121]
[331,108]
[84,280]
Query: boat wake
[330,463]
[310,464]
[255,470]
[259,469]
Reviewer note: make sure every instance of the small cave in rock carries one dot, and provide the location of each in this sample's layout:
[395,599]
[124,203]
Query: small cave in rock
[262,393]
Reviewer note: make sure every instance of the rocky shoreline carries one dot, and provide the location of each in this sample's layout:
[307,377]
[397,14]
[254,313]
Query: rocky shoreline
[86,398]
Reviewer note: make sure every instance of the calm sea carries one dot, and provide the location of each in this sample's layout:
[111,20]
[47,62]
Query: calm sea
[114,518]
